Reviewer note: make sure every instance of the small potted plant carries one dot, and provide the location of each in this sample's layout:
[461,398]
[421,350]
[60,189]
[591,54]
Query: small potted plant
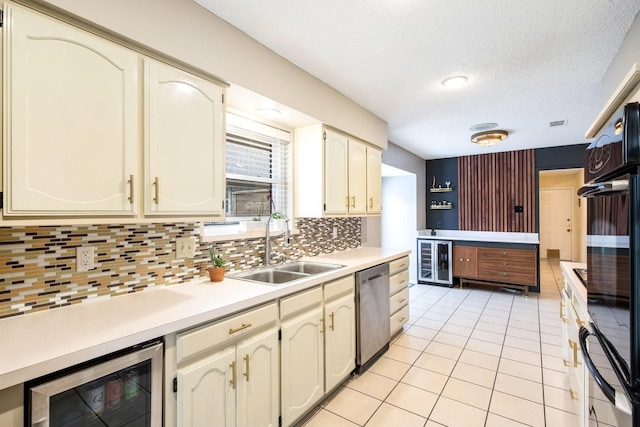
[216,271]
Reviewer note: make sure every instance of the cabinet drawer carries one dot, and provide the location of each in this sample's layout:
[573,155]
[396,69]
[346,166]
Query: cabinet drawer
[397,265]
[195,342]
[398,319]
[398,281]
[505,254]
[507,274]
[294,304]
[399,300]
[339,287]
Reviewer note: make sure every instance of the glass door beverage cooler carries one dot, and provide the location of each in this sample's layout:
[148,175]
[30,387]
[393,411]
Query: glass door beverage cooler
[123,389]
[434,262]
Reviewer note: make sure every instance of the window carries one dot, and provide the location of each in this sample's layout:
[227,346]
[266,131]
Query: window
[257,169]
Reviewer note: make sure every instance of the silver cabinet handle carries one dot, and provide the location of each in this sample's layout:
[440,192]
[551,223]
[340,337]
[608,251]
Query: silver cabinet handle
[130,189]
[156,194]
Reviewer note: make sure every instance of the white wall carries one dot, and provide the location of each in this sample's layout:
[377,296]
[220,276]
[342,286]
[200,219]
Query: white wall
[184,30]
[628,54]
[402,159]
[398,220]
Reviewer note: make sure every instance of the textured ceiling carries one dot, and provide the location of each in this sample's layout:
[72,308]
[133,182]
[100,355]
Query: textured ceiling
[528,62]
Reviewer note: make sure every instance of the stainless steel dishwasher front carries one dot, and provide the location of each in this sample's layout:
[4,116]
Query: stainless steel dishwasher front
[372,314]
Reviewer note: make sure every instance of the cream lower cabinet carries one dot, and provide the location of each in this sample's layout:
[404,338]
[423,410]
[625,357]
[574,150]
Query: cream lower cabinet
[573,317]
[228,372]
[184,149]
[71,120]
[398,294]
[340,331]
[302,354]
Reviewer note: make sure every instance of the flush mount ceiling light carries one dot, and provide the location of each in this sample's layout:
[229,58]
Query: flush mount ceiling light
[454,82]
[483,126]
[269,113]
[490,137]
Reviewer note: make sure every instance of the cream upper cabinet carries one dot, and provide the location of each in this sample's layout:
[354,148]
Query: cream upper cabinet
[357,177]
[337,186]
[374,181]
[336,166]
[70,120]
[184,147]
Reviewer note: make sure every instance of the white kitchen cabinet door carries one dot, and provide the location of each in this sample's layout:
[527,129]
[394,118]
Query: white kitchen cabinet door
[207,391]
[357,178]
[340,340]
[336,189]
[258,361]
[71,120]
[184,149]
[374,181]
[302,365]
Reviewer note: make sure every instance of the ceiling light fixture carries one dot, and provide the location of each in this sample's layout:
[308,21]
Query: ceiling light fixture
[269,113]
[483,126]
[491,137]
[454,82]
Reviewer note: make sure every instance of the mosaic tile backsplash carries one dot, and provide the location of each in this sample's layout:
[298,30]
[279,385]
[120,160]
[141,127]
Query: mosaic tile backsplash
[38,264]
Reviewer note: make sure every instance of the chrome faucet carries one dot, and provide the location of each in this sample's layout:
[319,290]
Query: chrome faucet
[267,244]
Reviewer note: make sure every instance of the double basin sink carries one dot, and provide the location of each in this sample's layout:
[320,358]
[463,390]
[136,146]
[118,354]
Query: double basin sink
[284,273]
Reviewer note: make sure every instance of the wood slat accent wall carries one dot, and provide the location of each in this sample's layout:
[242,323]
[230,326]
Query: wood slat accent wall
[491,186]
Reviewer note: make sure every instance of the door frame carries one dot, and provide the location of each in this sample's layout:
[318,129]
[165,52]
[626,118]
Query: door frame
[572,191]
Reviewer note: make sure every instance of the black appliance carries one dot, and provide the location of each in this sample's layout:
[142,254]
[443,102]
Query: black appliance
[434,262]
[611,170]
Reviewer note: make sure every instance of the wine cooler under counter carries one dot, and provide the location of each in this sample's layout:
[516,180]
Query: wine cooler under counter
[123,389]
[434,261]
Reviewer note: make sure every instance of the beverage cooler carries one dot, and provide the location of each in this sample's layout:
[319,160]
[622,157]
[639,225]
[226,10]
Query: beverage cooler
[123,389]
[434,262]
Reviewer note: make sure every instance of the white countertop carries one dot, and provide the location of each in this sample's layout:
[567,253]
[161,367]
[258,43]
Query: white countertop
[481,236]
[44,342]
[574,282]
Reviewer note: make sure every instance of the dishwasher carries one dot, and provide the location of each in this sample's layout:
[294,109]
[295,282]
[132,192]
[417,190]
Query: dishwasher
[372,315]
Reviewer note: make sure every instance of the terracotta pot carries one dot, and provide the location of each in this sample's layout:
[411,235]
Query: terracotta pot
[216,274]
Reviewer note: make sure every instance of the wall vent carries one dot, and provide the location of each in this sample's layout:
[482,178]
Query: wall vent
[557,123]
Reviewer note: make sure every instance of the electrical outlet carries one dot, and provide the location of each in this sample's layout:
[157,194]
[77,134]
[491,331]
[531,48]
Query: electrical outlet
[84,258]
[335,231]
[185,247]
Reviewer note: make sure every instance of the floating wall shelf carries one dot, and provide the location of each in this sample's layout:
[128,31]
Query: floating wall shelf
[440,190]
[441,206]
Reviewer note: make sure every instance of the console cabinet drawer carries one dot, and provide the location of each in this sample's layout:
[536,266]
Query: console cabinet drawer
[507,265]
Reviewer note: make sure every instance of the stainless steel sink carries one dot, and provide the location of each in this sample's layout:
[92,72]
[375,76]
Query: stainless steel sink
[270,276]
[284,273]
[307,267]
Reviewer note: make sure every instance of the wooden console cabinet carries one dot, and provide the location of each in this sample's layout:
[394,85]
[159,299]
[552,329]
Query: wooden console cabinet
[495,266]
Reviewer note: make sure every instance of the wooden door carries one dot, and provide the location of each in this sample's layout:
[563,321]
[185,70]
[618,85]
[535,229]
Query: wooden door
[72,119]
[207,391]
[340,340]
[184,153]
[302,365]
[556,221]
[258,361]
[336,192]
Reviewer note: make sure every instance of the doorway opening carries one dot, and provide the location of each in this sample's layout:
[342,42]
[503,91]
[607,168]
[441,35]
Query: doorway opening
[562,215]
[399,213]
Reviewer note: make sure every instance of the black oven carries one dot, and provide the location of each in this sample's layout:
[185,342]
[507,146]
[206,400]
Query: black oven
[611,341]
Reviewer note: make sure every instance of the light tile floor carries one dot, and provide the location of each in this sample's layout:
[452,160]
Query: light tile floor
[468,357]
